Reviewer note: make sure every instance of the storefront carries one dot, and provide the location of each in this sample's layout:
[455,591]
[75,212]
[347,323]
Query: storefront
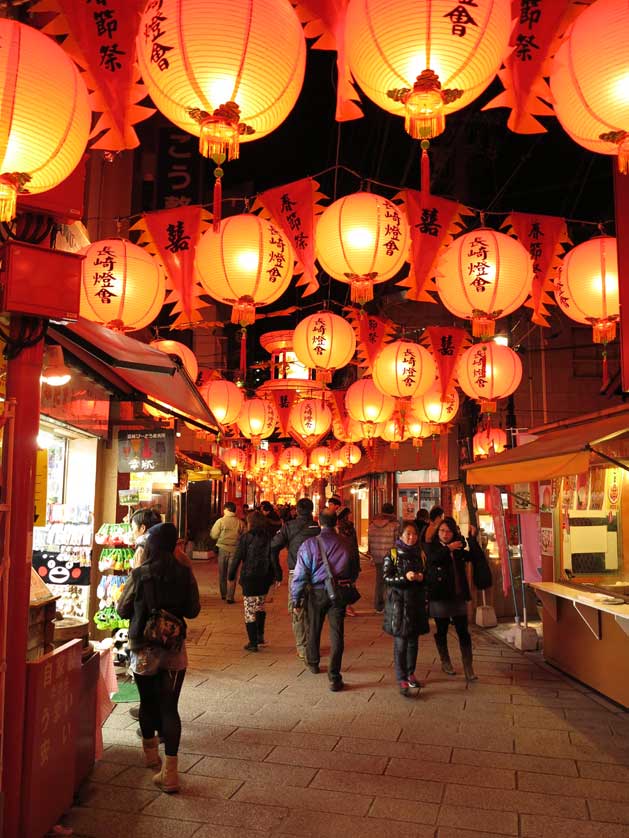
[571,495]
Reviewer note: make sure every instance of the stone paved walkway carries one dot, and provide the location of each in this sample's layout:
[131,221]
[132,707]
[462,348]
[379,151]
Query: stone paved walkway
[267,750]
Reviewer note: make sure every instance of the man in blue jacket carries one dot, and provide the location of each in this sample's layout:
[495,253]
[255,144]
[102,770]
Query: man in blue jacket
[310,570]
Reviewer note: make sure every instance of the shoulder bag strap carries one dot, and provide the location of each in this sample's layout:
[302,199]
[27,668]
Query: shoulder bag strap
[324,558]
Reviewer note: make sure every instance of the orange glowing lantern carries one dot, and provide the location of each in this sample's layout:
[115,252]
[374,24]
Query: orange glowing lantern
[224,399]
[433,407]
[488,372]
[589,86]
[257,419]
[122,285]
[587,287]
[362,239]
[45,114]
[489,441]
[235,459]
[418,430]
[394,432]
[404,369]
[425,60]
[366,403]
[321,457]
[324,342]
[350,455]
[264,460]
[180,350]
[484,275]
[246,263]
[292,457]
[310,418]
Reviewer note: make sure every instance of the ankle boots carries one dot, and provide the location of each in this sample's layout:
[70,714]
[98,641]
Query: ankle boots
[260,620]
[252,634]
[442,648]
[468,669]
[152,758]
[168,778]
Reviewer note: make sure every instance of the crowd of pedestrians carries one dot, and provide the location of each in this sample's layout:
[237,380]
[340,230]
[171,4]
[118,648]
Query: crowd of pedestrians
[420,572]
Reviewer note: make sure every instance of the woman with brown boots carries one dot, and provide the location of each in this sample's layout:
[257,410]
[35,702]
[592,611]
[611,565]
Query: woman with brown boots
[449,591]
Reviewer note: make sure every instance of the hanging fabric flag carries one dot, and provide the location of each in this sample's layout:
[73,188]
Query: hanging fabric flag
[542,236]
[325,20]
[446,344]
[294,207]
[432,221]
[172,236]
[372,333]
[498,518]
[101,39]
[336,401]
[535,36]
[284,399]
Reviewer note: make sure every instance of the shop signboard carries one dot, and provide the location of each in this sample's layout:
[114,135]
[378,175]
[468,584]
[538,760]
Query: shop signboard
[60,568]
[52,708]
[145,452]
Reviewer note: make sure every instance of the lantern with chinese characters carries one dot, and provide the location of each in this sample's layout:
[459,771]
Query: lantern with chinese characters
[291,458]
[257,419]
[208,68]
[349,455]
[310,418]
[587,287]
[321,456]
[45,114]
[394,432]
[264,460]
[488,372]
[247,263]
[484,275]
[404,369]
[425,60]
[356,431]
[187,357]
[433,407]
[224,399]
[362,239]
[235,459]
[366,403]
[589,86]
[489,441]
[418,429]
[122,285]
[324,342]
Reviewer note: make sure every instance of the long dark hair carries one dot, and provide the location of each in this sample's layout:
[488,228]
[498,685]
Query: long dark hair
[256,522]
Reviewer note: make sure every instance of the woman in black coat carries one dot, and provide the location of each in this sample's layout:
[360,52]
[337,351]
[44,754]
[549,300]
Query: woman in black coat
[405,616]
[449,591]
[259,570]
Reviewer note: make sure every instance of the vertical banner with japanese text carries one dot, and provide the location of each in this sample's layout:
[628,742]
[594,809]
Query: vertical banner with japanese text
[372,332]
[446,343]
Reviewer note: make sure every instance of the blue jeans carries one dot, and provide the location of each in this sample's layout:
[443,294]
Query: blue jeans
[405,656]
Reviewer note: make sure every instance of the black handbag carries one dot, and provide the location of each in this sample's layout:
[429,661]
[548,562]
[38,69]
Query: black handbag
[342,592]
[481,572]
[162,629]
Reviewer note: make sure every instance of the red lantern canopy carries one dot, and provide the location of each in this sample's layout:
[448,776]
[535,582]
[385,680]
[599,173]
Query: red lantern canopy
[310,418]
[404,369]
[366,403]
[484,275]
[324,342]
[488,372]
[46,114]
[224,399]
[362,239]
[425,60]
[122,285]
[257,419]
[181,351]
[235,459]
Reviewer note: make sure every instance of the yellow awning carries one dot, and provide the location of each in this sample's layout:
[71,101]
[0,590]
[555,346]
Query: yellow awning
[554,453]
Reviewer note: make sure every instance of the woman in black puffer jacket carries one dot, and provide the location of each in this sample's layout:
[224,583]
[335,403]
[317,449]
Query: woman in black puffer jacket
[449,591]
[405,616]
[260,569]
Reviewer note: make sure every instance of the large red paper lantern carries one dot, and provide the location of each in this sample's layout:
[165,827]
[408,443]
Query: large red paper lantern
[310,418]
[291,458]
[488,372]
[418,429]
[484,275]
[181,351]
[425,60]
[263,460]
[246,263]
[366,403]
[235,459]
[45,115]
[587,287]
[324,342]
[122,285]
[432,406]
[489,441]
[349,455]
[224,399]
[362,239]
[404,369]
[257,419]
[228,72]
[394,432]
[588,80]
[321,456]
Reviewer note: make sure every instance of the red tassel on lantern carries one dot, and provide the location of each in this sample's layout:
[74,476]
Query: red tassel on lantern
[217,204]
[243,351]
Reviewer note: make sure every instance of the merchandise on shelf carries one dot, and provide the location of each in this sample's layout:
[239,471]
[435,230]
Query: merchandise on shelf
[115,565]
[114,535]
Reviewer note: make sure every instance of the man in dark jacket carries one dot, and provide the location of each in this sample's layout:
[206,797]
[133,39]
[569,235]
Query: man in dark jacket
[292,535]
[311,570]
[381,535]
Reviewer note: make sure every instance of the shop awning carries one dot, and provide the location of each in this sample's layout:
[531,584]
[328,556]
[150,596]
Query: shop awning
[554,453]
[135,369]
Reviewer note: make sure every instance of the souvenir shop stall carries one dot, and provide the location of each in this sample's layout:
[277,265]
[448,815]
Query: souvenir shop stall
[571,494]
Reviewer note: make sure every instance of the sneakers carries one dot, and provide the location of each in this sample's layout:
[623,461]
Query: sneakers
[336,686]
[404,687]
[314,668]
[350,611]
[413,682]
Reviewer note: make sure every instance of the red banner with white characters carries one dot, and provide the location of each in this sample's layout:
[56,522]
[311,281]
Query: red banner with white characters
[172,235]
[372,333]
[535,37]
[498,518]
[101,39]
[293,207]
[446,343]
[283,400]
[542,236]
[432,221]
